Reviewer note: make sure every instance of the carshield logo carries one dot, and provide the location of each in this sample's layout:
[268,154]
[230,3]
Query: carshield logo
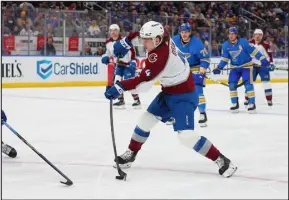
[44,68]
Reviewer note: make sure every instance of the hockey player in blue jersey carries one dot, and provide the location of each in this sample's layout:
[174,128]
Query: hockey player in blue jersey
[198,58]
[239,51]
[6,149]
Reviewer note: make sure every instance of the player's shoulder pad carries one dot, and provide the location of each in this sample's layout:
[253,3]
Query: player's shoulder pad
[225,44]
[176,38]
[108,41]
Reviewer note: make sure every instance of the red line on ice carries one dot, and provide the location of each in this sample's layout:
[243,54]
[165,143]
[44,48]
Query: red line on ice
[159,169]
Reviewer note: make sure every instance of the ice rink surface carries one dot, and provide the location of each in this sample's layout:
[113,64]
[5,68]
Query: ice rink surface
[70,126]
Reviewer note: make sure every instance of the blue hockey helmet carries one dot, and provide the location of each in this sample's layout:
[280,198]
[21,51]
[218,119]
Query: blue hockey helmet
[185,27]
[233,30]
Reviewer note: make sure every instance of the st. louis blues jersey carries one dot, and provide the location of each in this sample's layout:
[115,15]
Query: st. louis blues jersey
[194,51]
[239,54]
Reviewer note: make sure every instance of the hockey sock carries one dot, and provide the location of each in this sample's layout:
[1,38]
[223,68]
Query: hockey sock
[135,96]
[138,138]
[120,98]
[250,93]
[268,90]
[246,97]
[202,104]
[206,148]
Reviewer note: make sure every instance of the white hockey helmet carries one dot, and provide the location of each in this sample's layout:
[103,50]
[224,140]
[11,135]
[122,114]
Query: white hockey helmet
[151,30]
[258,31]
[114,27]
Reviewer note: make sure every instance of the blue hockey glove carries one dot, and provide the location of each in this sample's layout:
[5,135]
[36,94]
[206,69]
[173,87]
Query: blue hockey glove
[271,67]
[200,76]
[132,66]
[114,91]
[216,70]
[105,60]
[121,47]
[265,63]
[3,117]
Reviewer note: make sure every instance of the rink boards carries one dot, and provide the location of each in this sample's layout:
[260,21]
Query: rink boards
[60,71]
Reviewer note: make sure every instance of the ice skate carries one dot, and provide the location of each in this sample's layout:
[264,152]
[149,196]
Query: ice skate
[136,104]
[125,160]
[120,104]
[252,108]
[226,167]
[235,108]
[170,121]
[8,150]
[270,103]
[203,120]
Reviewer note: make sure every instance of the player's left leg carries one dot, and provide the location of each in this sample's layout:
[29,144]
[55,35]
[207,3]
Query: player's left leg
[234,77]
[128,74]
[202,106]
[118,75]
[182,107]
[265,78]
[256,71]
[157,110]
[247,76]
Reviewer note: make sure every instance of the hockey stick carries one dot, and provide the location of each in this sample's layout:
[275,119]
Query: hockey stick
[122,174]
[225,84]
[68,181]
[281,69]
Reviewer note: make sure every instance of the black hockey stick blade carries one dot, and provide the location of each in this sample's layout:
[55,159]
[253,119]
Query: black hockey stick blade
[122,175]
[68,182]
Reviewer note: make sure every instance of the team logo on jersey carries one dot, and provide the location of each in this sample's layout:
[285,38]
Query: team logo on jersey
[148,72]
[153,57]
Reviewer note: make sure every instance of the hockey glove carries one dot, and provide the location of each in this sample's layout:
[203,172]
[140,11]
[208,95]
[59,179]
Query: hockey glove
[271,67]
[121,47]
[114,91]
[3,117]
[200,76]
[105,60]
[132,66]
[216,70]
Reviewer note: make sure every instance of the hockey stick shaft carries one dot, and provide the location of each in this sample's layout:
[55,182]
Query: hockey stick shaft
[227,85]
[120,172]
[122,175]
[68,181]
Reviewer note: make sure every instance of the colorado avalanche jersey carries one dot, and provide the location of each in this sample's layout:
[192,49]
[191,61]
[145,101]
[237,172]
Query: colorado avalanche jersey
[167,65]
[263,48]
[122,61]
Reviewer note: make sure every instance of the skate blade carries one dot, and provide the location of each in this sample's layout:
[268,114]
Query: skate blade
[230,171]
[119,107]
[203,125]
[123,166]
[234,111]
[252,111]
[137,107]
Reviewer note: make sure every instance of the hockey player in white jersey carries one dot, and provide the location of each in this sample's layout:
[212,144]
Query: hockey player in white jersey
[125,68]
[263,72]
[178,99]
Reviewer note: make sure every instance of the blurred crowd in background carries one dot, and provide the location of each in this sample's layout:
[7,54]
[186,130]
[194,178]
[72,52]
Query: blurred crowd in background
[209,20]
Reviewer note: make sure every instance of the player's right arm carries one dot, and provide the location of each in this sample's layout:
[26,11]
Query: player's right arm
[105,57]
[225,57]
